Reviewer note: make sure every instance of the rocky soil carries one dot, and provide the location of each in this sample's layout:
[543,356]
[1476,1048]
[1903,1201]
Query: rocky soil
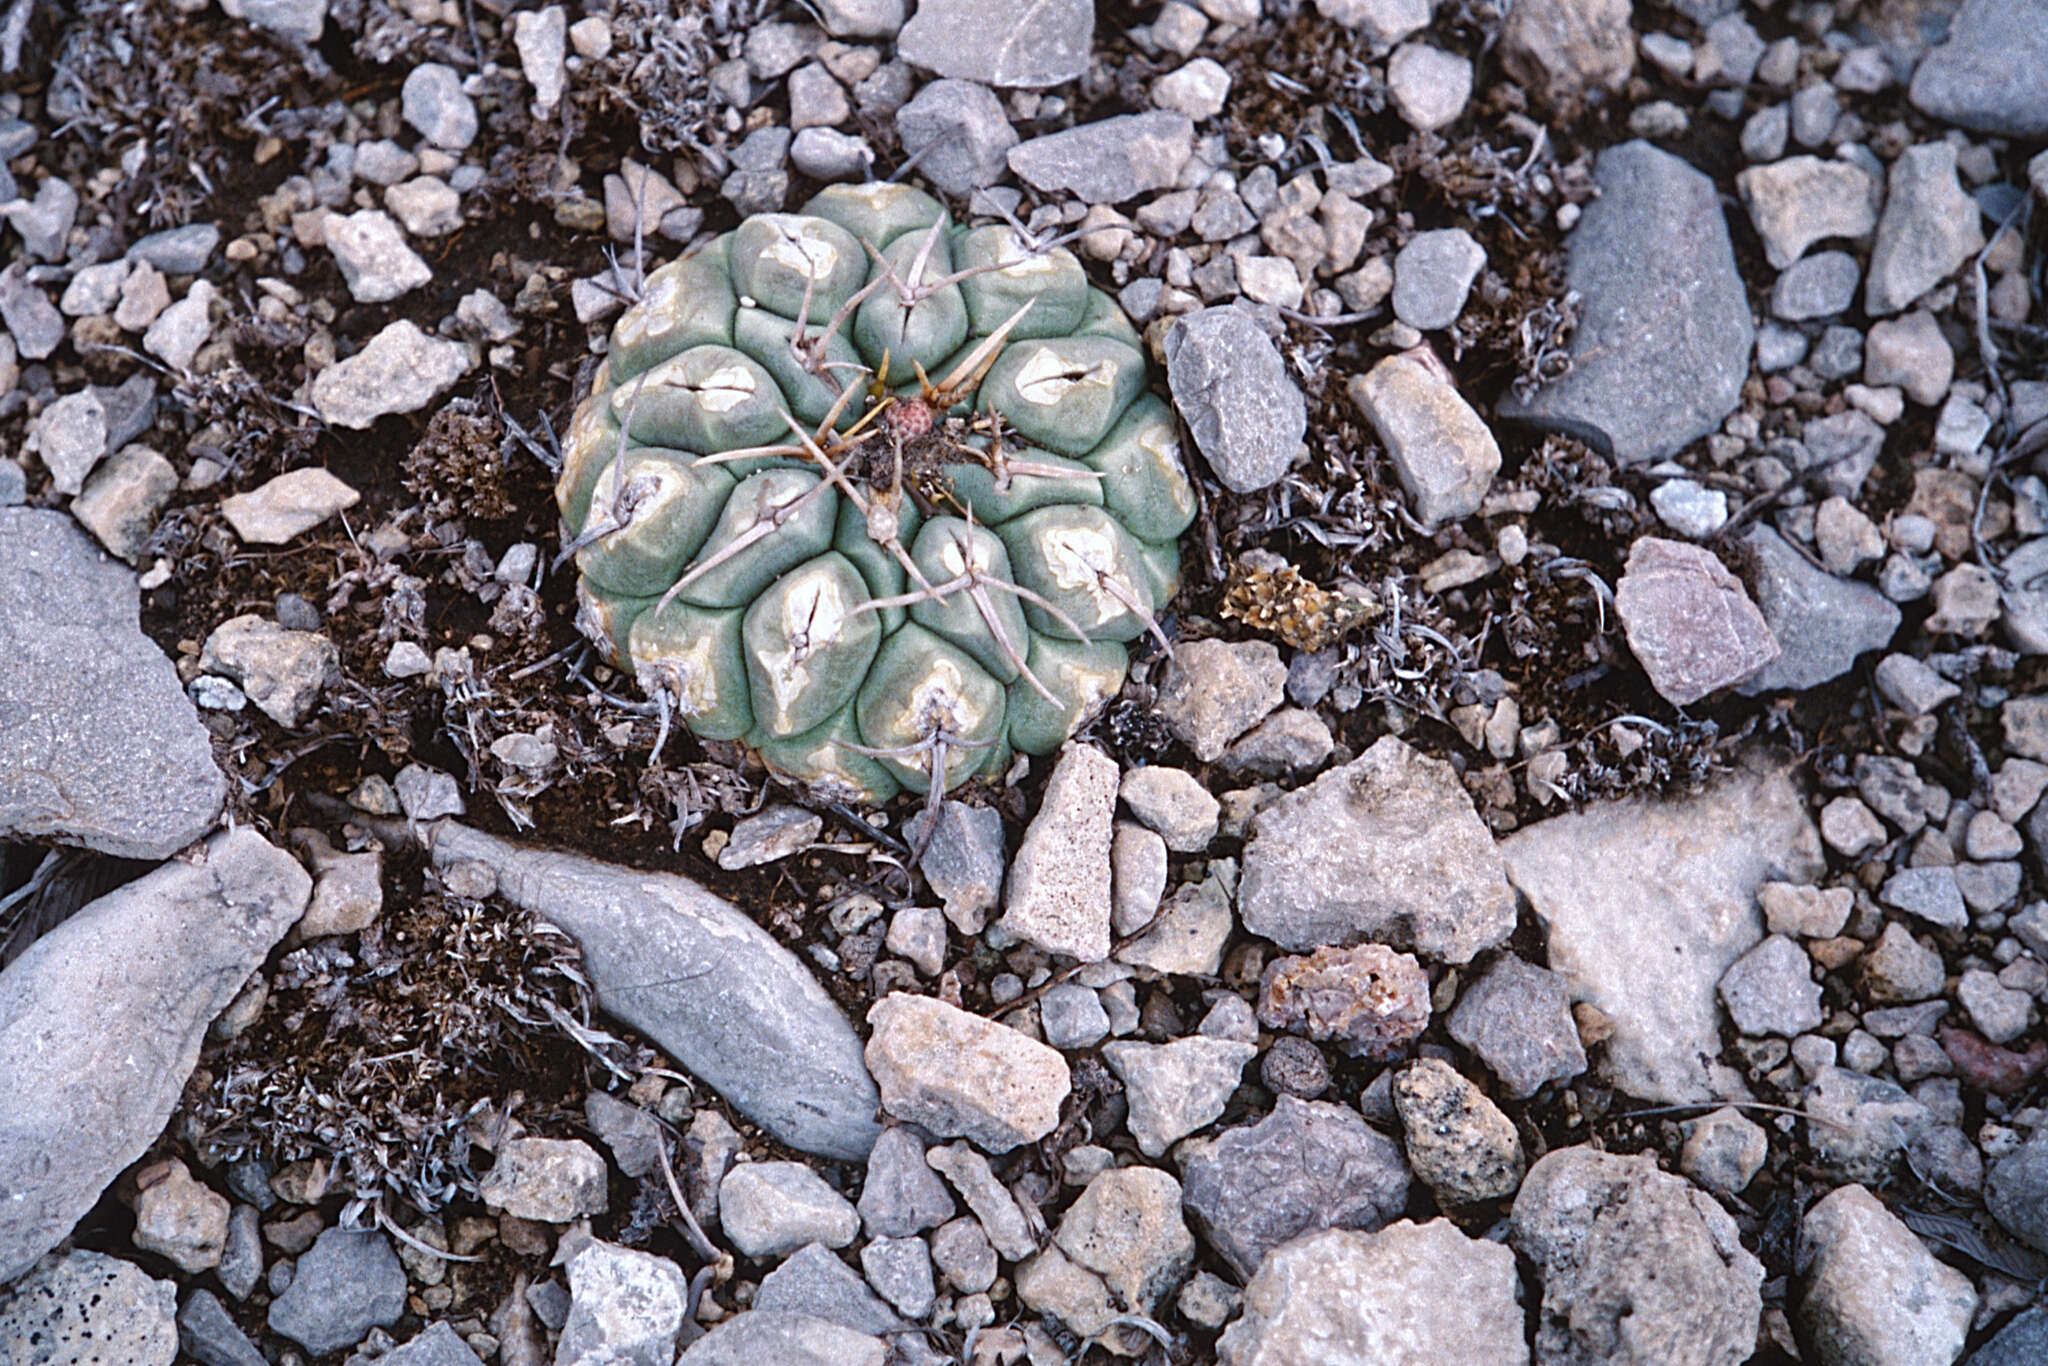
[1571,886]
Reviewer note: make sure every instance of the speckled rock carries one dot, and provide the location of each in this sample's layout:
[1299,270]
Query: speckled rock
[88,1309]
[1875,1295]
[959,1075]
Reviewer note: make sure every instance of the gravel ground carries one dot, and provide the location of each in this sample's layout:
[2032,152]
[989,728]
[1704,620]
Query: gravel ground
[1564,879]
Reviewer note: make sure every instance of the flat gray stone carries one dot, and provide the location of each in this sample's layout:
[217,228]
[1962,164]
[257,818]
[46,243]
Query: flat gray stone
[2022,1342]
[1176,1088]
[1663,342]
[1817,286]
[814,1282]
[1244,410]
[99,745]
[770,1209]
[400,370]
[1432,276]
[1770,990]
[959,134]
[1109,161]
[1216,690]
[101,1021]
[1442,451]
[348,1283]
[1518,1019]
[1386,849]
[1647,903]
[1991,75]
[625,1306]
[1306,1167]
[1001,42]
[1929,229]
[1822,623]
[434,103]
[710,987]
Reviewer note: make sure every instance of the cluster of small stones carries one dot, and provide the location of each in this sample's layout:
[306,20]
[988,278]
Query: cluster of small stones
[1288,985]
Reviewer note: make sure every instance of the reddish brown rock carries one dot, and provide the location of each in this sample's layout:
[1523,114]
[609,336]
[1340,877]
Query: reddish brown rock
[1369,1000]
[1986,1066]
[1689,621]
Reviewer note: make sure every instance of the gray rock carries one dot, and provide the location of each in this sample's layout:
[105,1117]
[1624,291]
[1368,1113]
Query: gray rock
[1443,453]
[959,1075]
[633,1136]
[1662,348]
[1072,1016]
[1306,1167]
[861,18]
[1109,161]
[961,1250]
[1875,1295]
[1245,412]
[1992,73]
[1688,620]
[1930,893]
[815,1282]
[2016,1192]
[179,1218]
[32,320]
[902,1196]
[1929,229]
[301,20]
[288,506]
[957,132]
[706,984]
[101,1021]
[1518,1019]
[1188,935]
[180,330]
[1290,743]
[122,497]
[428,206]
[547,1180]
[1460,1143]
[438,1345]
[373,256]
[828,154]
[900,1270]
[1646,904]
[241,1260]
[1059,892]
[1909,684]
[1426,1293]
[1382,23]
[1429,87]
[1770,990]
[400,370]
[1842,449]
[1723,1151]
[70,435]
[45,221]
[283,672]
[104,749]
[963,860]
[93,289]
[759,184]
[178,251]
[1387,848]
[997,42]
[625,1307]
[1127,1229]
[86,1309]
[541,38]
[759,1336]
[1172,802]
[1822,622]
[1638,1268]
[1900,968]
[207,1333]
[2000,1013]
[426,794]
[775,833]
[1817,286]
[434,104]
[1217,690]
[1174,1089]
[770,1209]
[1814,111]
[1802,200]
[2022,1342]
[1858,1125]
[350,1282]
[994,1208]
[1690,508]
[1432,276]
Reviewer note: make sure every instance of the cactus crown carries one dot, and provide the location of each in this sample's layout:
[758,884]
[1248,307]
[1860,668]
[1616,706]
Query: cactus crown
[883,496]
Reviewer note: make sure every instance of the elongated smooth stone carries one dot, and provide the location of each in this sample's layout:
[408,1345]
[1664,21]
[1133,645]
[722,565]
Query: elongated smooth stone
[694,974]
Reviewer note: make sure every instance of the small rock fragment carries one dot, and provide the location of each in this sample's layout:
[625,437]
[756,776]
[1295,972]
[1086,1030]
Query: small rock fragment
[1689,621]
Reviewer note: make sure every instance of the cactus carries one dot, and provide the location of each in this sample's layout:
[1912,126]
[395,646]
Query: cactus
[882,496]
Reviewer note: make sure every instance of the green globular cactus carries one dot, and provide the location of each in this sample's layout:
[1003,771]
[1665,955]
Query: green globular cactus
[882,496]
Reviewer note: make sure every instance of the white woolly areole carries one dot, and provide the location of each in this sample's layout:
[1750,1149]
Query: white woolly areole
[1080,559]
[814,613]
[1046,377]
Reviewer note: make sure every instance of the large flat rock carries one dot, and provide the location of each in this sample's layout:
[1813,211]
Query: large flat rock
[1647,902]
[102,1018]
[99,745]
[1664,336]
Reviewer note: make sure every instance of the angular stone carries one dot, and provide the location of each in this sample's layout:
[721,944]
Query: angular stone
[1001,43]
[1689,621]
[1518,1019]
[88,1309]
[1432,276]
[283,672]
[550,1180]
[350,1282]
[1406,1294]
[1663,344]
[959,135]
[1559,49]
[1874,1294]
[1059,892]
[1858,1126]
[101,746]
[1216,690]
[1802,200]
[1176,1088]
[1822,622]
[961,1076]
[1387,848]
[760,1336]
[2017,1191]
[101,1021]
[815,1282]
[1638,1268]
[1647,903]
[1109,161]
[1460,1143]
[1770,990]
[1991,75]
[1928,231]
[624,1306]
[289,505]
[1442,451]
[400,370]
[1306,1167]
[696,975]
[1369,1000]
[902,1196]
[993,1206]
[373,256]
[1243,409]
[180,1218]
